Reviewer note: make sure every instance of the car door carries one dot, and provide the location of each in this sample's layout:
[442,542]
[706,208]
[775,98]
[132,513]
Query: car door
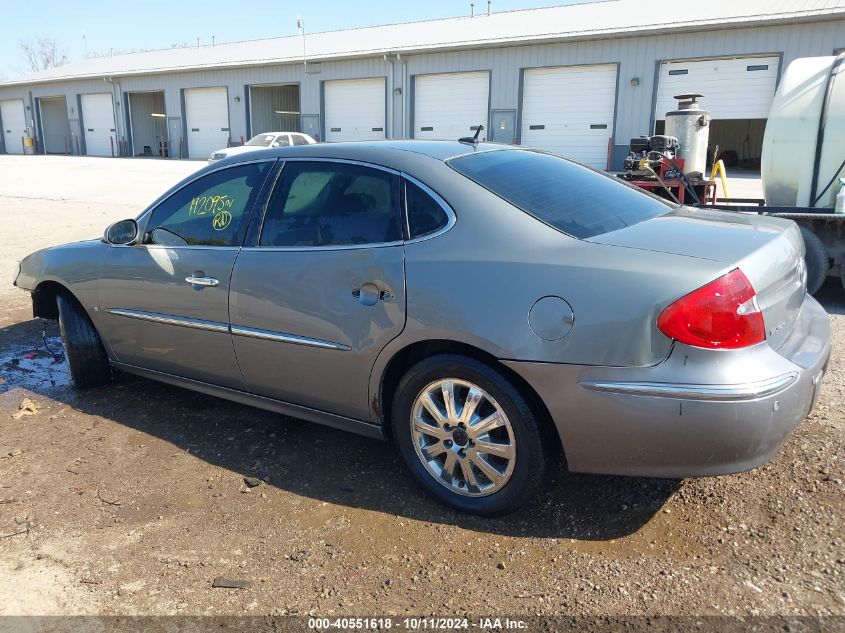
[164,302]
[322,291]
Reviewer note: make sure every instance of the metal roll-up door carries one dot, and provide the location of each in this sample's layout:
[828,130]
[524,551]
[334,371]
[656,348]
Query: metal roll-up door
[738,88]
[98,119]
[569,110]
[207,119]
[451,106]
[14,125]
[355,109]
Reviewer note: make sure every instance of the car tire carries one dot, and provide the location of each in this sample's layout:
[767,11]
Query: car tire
[86,357]
[522,433]
[816,258]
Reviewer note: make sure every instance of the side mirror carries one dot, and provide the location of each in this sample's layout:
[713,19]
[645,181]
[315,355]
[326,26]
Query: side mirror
[122,232]
[276,144]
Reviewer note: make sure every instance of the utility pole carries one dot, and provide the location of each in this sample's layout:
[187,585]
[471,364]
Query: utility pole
[300,25]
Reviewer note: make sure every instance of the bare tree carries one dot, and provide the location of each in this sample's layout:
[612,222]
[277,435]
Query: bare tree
[42,53]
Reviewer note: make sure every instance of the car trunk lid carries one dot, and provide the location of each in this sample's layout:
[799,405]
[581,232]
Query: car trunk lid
[769,251]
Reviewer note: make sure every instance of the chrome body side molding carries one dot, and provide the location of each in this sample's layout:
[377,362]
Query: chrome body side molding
[281,337]
[746,391]
[169,319]
[237,330]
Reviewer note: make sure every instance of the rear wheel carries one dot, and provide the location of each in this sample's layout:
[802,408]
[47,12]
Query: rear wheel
[816,258]
[469,437]
[86,358]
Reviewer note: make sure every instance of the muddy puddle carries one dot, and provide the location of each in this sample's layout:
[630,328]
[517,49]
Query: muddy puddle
[36,367]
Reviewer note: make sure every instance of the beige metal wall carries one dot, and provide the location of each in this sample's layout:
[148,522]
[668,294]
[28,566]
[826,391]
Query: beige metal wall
[638,58]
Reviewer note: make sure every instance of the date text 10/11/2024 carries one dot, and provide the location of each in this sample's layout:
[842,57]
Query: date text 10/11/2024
[417,624]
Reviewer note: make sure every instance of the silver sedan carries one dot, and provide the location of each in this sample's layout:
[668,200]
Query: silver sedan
[490,310]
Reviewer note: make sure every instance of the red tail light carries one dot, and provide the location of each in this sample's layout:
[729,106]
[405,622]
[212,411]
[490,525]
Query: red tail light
[721,315]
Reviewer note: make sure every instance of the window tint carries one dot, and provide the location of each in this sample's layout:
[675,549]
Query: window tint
[283,140]
[570,197]
[331,204]
[212,211]
[425,215]
[298,139]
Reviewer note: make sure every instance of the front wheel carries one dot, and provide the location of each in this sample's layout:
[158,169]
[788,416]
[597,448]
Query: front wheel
[469,437]
[86,358]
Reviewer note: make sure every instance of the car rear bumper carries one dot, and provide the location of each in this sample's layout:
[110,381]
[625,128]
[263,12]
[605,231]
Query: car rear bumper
[698,413]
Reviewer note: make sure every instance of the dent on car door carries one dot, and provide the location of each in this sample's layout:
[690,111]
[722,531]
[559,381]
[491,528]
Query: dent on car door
[165,300]
[322,292]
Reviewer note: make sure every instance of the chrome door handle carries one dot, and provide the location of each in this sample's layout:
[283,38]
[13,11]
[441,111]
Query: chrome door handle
[369,294]
[202,281]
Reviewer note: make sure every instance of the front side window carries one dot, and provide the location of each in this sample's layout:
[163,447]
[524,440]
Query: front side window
[332,204]
[425,215]
[282,140]
[570,197]
[211,211]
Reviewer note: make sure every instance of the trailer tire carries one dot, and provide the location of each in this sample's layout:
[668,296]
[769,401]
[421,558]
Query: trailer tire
[842,272]
[816,258]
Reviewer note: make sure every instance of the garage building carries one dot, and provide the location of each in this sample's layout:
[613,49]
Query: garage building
[579,79]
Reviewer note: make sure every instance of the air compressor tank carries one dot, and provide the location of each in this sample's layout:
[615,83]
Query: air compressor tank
[804,143]
[691,126]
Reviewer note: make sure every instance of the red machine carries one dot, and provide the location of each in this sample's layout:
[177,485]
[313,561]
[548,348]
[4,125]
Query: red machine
[652,165]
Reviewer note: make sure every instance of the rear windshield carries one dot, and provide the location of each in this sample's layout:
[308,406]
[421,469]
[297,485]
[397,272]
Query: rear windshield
[574,199]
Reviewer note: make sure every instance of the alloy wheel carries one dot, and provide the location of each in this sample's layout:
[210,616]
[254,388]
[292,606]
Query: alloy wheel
[463,437]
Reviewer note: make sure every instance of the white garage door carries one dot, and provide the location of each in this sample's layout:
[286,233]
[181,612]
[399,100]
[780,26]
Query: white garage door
[355,109]
[98,118]
[740,88]
[207,119]
[448,107]
[14,125]
[569,110]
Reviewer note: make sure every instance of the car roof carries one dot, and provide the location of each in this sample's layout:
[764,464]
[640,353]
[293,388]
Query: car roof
[379,152]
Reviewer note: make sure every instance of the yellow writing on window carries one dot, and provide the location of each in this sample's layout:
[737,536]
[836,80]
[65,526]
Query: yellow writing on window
[221,220]
[210,205]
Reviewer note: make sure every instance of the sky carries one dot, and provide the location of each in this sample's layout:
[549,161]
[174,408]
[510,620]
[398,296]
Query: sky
[140,24]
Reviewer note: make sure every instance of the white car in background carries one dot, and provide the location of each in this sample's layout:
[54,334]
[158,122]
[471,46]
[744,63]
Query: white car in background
[263,141]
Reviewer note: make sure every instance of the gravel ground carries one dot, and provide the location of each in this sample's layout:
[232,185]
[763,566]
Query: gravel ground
[131,499]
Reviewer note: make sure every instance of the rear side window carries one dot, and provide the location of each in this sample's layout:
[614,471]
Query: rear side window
[572,198]
[299,140]
[425,215]
[332,204]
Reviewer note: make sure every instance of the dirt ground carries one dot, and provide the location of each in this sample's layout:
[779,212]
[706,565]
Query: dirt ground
[131,499]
